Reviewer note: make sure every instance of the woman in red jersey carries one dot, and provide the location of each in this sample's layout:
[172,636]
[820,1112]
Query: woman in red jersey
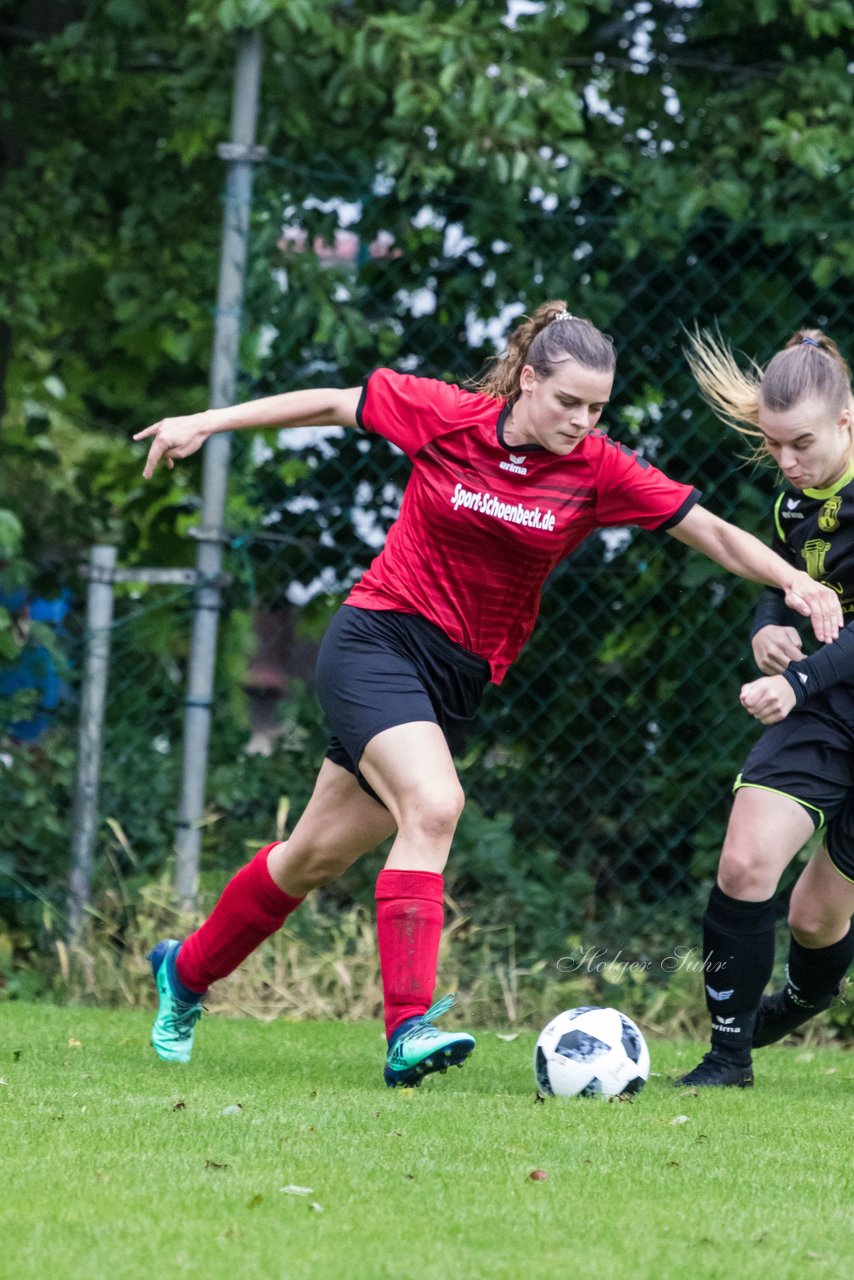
[799,777]
[506,481]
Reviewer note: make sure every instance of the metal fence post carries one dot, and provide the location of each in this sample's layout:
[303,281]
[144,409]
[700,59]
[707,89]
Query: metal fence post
[99,620]
[240,155]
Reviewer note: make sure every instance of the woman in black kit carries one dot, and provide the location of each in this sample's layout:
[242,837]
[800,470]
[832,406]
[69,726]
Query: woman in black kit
[799,777]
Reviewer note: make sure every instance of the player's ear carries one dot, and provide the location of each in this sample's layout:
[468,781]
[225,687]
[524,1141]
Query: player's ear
[527,378]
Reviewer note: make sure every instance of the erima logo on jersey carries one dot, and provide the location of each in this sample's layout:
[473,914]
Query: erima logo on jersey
[791,503]
[515,464]
[802,676]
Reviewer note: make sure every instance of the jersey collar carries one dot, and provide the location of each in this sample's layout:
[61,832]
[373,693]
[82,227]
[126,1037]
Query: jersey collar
[831,492]
[499,431]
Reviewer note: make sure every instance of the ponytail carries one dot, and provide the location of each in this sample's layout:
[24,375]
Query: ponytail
[730,391]
[810,366]
[544,340]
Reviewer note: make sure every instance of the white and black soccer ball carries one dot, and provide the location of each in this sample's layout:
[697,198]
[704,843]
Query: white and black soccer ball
[591,1052]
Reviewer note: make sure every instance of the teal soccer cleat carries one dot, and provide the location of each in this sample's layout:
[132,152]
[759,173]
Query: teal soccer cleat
[172,1033]
[417,1048]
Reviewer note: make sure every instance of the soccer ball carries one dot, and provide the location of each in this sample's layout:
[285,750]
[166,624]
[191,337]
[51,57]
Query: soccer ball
[590,1052]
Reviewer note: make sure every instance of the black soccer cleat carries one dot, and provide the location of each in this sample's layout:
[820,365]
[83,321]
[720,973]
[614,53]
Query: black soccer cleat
[717,1071]
[778,1017]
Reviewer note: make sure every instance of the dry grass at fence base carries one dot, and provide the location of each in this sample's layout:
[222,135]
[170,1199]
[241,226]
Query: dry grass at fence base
[288,976]
[326,966]
[334,976]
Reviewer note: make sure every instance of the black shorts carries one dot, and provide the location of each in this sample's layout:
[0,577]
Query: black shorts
[809,757]
[378,668]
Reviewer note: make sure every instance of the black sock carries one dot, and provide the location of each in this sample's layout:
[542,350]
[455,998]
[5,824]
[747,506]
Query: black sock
[814,973]
[738,950]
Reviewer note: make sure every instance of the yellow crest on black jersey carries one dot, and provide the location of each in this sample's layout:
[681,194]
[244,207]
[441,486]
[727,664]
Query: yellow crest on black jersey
[814,553]
[828,517]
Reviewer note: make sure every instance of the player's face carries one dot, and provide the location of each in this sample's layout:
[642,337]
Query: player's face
[810,443]
[558,411]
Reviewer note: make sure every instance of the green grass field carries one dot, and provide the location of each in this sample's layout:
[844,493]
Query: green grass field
[115,1165]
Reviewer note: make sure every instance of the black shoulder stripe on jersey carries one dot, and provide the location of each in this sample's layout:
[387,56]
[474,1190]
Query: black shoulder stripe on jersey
[624,449]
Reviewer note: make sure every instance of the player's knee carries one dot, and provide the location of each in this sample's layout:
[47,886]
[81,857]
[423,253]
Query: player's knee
[433,813]
[744,872]
[808,932]
[815,924]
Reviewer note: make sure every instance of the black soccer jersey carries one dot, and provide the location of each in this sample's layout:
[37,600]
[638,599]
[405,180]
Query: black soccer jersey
[814,530]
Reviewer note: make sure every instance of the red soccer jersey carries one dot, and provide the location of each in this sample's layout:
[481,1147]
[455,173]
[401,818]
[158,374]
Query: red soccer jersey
[480,526]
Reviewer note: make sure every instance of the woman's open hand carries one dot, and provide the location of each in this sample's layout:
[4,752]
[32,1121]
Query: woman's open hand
[174,438]
[818,603]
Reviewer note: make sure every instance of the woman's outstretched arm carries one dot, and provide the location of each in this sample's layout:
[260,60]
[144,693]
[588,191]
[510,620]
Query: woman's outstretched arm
[174,438]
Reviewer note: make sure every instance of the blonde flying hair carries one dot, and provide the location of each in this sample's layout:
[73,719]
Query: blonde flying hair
[810,366]
[544,340]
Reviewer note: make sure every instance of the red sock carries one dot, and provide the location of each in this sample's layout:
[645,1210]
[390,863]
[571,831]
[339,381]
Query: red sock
[251,907]
[409,928]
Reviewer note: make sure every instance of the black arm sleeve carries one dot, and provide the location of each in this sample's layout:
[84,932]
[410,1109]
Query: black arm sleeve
[772,611]
[832,664]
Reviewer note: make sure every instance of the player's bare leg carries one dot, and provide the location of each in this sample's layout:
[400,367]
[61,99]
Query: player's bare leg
[410,768]
[340,823]
[765,831]
[820,954]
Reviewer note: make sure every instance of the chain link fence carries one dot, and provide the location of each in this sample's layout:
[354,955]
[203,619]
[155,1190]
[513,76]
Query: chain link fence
[599,778]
